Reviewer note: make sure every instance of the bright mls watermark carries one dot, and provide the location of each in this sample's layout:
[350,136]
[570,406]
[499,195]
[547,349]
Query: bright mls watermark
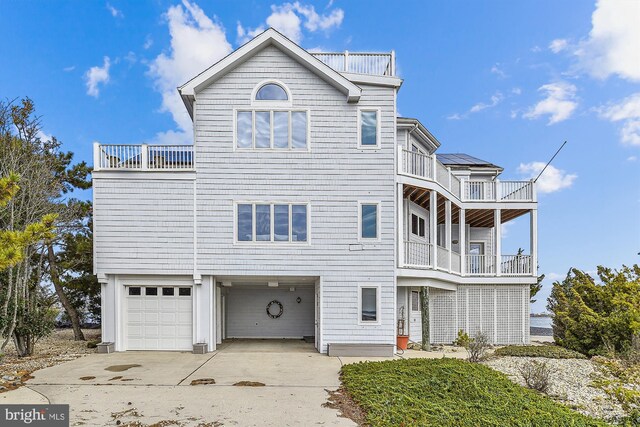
[34,415]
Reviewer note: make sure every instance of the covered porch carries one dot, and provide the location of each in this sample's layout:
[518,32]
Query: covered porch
[461,238]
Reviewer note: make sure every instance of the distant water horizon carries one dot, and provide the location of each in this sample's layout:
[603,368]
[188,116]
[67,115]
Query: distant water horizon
[540,322]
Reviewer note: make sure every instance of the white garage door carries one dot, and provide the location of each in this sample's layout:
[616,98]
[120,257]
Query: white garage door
[246,311]
[159,318]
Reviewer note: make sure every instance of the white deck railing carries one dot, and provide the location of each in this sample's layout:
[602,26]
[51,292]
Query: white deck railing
[143,157]
[516,265]
[443,257]
[427,167]
[480,265]
[417,254]
[378,64]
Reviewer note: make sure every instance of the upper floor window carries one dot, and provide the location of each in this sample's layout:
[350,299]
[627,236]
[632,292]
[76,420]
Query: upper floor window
[369,220]
[272,129]
[271,92]
[369,128]
[272,222]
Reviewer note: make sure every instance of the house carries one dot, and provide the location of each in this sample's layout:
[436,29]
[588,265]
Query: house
[304,208]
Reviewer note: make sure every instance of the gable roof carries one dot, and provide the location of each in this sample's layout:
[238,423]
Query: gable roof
[247,50]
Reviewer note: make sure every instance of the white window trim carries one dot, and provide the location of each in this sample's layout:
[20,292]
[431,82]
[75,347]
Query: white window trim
[369,202]
[271,110]
[378,120]
[378,321]
[260,103]
[272,242]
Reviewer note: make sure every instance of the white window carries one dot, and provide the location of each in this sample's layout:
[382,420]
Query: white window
[369,220]
[272,129]
[271,92]
[369,304]
[272,222]
[368,128]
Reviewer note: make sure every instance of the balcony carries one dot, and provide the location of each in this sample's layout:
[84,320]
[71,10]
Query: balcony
[419,255]
[427,167]
[377,64]
[143,157]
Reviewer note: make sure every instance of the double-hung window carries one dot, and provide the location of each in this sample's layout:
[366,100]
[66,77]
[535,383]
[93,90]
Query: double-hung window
[272,129]
[272,222]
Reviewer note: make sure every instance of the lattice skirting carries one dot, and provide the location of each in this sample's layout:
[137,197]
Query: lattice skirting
[500,311]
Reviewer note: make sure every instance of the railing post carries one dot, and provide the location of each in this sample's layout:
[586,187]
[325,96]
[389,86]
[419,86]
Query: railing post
[433,227]
[498,190]
[534,241]
[144,156]
[534,195]
[96,156]
[401,162]
[462,241]
[346,61]
[434,163]
[393,63]
[463,189]
[497,221]
[449,170]
[447,228]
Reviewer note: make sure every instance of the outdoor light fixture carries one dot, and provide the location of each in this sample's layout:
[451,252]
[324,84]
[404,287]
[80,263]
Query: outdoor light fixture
[272,284]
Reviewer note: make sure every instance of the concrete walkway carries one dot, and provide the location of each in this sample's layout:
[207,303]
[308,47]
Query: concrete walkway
[150,387]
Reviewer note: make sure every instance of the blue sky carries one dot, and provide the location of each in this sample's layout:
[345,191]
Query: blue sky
[504,81]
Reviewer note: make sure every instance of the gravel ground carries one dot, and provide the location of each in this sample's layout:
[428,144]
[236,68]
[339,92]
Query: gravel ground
[56,348]
[570,384]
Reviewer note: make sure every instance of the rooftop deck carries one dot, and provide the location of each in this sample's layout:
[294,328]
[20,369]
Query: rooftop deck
[377,64]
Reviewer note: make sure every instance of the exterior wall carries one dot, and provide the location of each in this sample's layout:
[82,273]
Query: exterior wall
[143,226]
[333,176]
[246,318]
[500,311]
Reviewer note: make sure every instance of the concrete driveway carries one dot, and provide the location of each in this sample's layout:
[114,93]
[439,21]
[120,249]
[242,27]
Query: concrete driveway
[150,387]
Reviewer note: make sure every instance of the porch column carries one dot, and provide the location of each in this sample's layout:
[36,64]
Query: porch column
[462,240]
[497,222]
[433,227]
[447,229]
[400,224]
[534,241]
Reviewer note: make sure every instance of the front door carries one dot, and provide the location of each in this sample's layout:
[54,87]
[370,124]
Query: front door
[415,315]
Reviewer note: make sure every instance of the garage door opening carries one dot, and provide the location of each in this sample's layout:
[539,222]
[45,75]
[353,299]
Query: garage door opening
[159,318]
[270,312]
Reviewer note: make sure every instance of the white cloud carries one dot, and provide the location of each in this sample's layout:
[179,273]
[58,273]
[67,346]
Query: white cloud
[628,112]
[632,159]
[455,116]
[96,76]
[148,42]
[612,45]
[495,69]
[558,45]
[114,12]
[495,100]
[559,104]
[197,42]
[516,91]
[69,68]
[289,18]
[552,180]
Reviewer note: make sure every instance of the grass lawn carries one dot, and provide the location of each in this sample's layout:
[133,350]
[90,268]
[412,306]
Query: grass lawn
[450,392]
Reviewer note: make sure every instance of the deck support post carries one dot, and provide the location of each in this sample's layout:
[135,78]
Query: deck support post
[497,222]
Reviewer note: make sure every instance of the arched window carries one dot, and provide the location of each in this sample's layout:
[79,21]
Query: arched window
[271,92]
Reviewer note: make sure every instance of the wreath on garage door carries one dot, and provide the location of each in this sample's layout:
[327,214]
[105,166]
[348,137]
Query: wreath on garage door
[279,313]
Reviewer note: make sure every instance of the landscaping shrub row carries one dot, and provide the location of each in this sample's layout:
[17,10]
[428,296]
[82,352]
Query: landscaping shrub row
[450,392]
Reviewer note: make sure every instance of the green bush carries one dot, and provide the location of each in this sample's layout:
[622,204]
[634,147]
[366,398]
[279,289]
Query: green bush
[549,351]
[450,392]
[597,318]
